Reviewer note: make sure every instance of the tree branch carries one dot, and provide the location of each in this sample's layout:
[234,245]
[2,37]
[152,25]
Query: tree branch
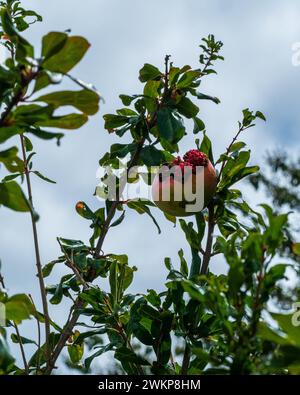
[37,251]
[186,360]
[65,334]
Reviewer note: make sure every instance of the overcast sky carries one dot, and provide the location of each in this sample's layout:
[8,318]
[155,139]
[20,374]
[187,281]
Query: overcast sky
[257,73]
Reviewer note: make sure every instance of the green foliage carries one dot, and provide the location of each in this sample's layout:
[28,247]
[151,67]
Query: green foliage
[11,196]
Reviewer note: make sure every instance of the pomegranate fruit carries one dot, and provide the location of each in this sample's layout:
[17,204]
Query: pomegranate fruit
[195,173]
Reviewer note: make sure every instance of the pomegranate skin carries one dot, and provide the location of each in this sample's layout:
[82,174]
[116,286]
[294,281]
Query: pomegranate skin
[177,207]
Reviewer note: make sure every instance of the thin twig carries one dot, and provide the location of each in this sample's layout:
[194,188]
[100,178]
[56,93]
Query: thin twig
[186,360]
[21,348]
[37,251]
[207,253]
[39,336]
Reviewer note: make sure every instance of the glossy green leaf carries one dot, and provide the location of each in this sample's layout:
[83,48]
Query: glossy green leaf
[151,156]
[69,55]
[18,308]
[113,121]
[101,351]
[8,132]
[169,127]
[24,340]
[10,160]
[187,108]
[47,269]
[141,207]
[123,354]
[198,125]
[149,72]
[71,121]
[187,78]
[85,101]
[12,196]
[52,43]
[202,96]
[76,352]
[41,176]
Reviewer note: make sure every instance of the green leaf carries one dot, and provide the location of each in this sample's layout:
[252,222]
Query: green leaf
[8,132]
[68,56]
[119,220]
[39,357]
[58,294]
[151,156]
[113,280]
[237,146]
[113,121]
[296,248]
[169,127]
[236,276]
[206,147]
[12,196]
[85,100]
[198,125]
[202,96]
[70,121]
[187,108]
[191,235]
[47,269]
[52,43]
[267,333]
[76,352]
[196,263]
[151,89]
[127,100]
[37,173]
[18,308]
[101,351]
[260,115]
[168,263]
[123,354]
[285,323]
[187,78]
[184,270]
[193,290]
[149,72]
[10,160]
[6,360]
[45,135]
[141,207]
[80,261]
[121,150]
[68,244]
[24,340]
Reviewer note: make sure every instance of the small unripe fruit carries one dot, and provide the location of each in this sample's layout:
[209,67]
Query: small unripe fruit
[194,172]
